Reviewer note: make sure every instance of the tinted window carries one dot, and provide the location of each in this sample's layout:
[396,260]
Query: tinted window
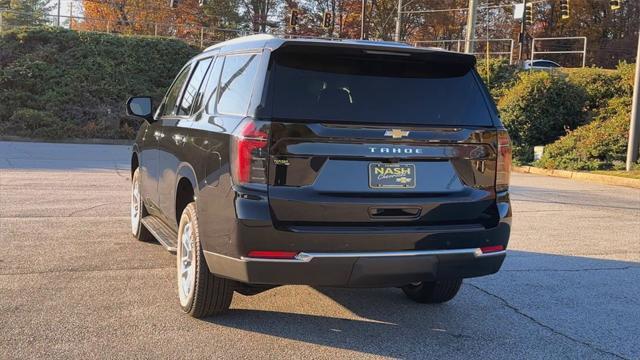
[236,83]
[546,64]
[191,90]
[376,89]
[210,90]
[169,106]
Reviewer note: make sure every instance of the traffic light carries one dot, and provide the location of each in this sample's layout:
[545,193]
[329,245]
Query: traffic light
[327,20]
[293,18]
[173,3]
[564,8]
[528,14]
[614,4]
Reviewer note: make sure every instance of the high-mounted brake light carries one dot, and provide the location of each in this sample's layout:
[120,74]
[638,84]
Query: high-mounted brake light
[503,171]
[249,152]
[272,254]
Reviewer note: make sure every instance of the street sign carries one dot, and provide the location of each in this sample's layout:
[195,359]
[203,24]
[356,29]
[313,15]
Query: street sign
[518,11]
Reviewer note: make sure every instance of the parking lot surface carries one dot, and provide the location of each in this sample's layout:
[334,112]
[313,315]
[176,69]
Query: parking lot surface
[74,283]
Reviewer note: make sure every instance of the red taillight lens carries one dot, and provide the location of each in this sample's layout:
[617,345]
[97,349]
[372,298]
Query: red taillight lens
[491,249]
[272,254]
[249,152]
[503,173]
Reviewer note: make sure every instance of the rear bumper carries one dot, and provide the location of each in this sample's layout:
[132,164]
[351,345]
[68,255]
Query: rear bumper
[370,269]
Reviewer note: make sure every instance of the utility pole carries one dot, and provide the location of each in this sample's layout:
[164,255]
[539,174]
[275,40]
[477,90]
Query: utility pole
[471,26]
[364,5]
[634,126]
[58,20]
[522,37]
[70,15]
[399,20]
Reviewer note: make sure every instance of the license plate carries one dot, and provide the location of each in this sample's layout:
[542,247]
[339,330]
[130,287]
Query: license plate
[395,176]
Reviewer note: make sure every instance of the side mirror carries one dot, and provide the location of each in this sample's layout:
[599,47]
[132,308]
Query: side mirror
[140,106]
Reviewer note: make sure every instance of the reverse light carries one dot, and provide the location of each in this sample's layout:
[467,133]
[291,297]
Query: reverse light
[491,249]
[503,169]
[249,152]
[272,254]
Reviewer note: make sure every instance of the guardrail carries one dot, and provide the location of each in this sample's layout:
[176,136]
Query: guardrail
[583,51]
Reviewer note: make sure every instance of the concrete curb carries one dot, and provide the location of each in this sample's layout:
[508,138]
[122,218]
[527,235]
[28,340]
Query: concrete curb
[578,175]
[68,141]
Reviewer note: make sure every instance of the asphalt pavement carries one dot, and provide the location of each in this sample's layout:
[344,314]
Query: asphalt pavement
[74,283]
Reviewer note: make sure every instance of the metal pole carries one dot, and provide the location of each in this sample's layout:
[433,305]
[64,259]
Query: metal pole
[522,30]
[201,37]
[584,53]
[70,15]
[364,5]
[1,15]
[399,20]
[58,21]
[634,126]
[471,26]
[155,29]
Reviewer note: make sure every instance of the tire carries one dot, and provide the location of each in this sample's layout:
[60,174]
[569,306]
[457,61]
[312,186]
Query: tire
[201,293]
[138,211]
[433,292]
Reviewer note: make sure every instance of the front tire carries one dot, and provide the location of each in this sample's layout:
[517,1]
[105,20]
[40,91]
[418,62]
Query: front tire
[201,292]
[138,211]
[433,292]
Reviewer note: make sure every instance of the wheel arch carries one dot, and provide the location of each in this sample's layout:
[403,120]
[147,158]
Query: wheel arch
[186,189]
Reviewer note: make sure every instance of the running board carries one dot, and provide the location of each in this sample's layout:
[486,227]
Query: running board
[165,235]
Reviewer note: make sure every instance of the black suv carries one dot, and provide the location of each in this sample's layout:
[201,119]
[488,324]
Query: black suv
[277,161]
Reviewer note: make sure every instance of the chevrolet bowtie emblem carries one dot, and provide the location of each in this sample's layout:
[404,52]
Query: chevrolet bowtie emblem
[396,133]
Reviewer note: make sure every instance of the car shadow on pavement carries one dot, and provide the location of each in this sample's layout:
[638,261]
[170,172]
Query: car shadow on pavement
[547,302]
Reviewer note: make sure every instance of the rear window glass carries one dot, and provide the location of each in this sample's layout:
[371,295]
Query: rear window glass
[375,89]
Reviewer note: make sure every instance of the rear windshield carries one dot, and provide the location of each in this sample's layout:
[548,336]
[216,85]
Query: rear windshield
[387,89]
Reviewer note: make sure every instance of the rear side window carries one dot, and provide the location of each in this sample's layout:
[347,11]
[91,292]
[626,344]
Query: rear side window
[236,83]
[169,106]
[210,91]
[191,90]
[375,89]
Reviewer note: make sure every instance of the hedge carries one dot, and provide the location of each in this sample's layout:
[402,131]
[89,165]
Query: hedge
[57,83]
[599,145]
[539,109]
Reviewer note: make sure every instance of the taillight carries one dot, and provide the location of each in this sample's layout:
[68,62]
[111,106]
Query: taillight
[249,152]
[503,173]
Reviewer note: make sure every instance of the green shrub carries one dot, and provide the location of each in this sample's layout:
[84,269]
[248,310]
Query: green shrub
[539,109]
[501,75]
[82,79]
[37,124]
[626,72]
[599,145]
[600,85]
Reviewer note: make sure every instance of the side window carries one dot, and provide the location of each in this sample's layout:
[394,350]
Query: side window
[236,83]
[169,106]
[191,90]
[210,90]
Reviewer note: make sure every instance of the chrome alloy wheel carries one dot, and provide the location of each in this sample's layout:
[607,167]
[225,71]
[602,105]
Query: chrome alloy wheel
[186,264]
[136,206]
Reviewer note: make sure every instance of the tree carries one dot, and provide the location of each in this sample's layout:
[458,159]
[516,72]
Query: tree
[25,12]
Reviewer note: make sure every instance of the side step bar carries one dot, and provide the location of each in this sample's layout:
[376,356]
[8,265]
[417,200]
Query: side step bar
[165,235]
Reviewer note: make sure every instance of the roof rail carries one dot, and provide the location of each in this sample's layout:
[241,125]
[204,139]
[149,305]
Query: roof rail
[242,39]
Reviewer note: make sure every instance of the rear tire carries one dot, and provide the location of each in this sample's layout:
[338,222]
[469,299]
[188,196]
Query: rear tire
[201,292]
[138,211]
[433,292]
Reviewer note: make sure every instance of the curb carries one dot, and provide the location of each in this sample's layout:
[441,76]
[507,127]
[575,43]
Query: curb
[68,141]
[578,175]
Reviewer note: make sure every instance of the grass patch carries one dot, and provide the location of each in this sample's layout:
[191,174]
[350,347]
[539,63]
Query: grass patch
[633,174]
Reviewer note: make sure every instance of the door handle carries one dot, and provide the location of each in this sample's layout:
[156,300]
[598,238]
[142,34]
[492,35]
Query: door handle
[158,134]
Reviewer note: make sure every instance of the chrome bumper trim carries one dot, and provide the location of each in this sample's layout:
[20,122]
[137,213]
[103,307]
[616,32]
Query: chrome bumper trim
[305,257]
